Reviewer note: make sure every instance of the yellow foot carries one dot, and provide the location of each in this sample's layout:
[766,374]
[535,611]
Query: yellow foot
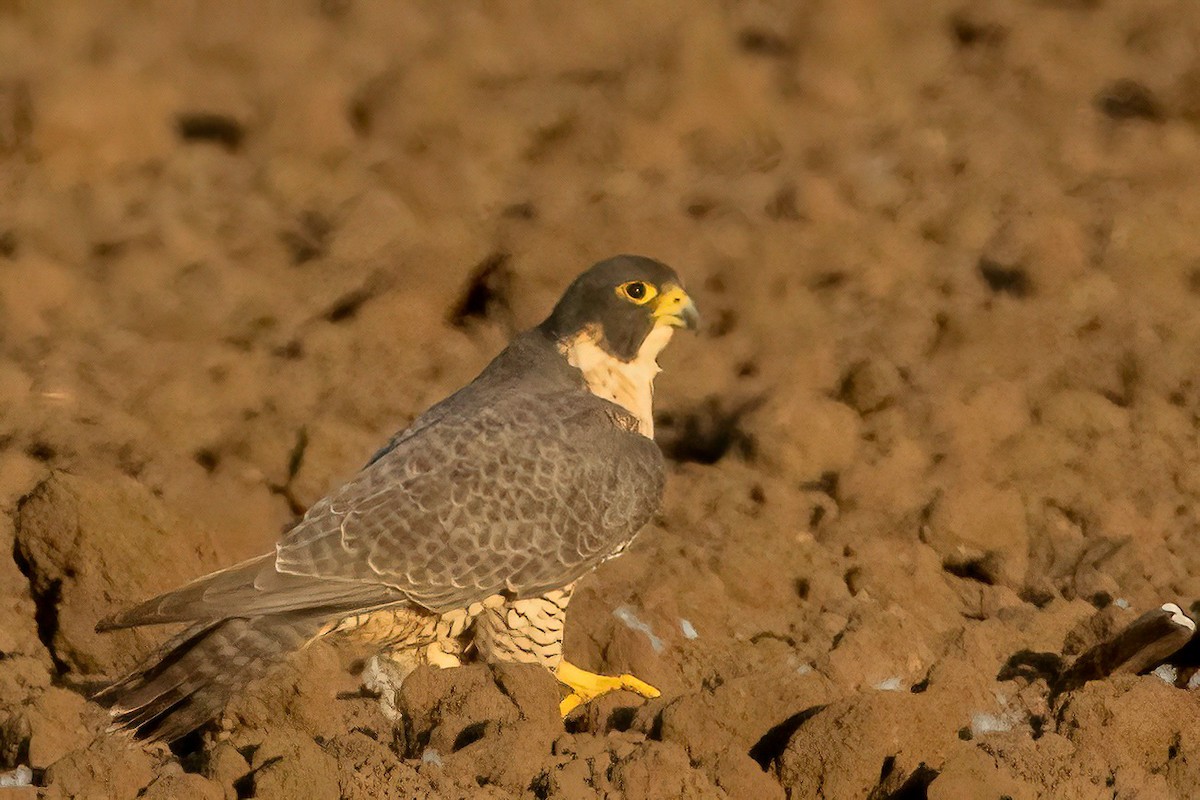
[587,686]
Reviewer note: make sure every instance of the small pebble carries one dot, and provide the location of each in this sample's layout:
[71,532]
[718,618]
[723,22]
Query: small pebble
[21,776]
[627,615]
[989,723]
[1166,673]
[689,630]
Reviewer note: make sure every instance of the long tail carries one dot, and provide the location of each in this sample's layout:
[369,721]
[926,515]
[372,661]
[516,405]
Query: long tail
[188,681]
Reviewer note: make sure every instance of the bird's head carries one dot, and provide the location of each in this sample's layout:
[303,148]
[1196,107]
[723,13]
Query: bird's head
[619,303]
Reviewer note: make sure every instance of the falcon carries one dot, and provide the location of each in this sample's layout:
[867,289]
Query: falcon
[464,535]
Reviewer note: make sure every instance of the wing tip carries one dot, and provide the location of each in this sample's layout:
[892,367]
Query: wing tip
[113,622]
[144,614]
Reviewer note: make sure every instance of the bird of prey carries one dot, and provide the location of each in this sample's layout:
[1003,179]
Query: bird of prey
[464,535]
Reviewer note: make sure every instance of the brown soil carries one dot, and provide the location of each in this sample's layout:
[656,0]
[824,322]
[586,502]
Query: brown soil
[945,406]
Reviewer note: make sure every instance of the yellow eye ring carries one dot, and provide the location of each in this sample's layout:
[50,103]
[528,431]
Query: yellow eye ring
[637,292]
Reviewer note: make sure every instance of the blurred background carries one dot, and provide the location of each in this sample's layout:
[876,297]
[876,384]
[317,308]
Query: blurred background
[944,407]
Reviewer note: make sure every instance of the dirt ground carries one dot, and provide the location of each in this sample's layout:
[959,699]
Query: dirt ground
[944,410]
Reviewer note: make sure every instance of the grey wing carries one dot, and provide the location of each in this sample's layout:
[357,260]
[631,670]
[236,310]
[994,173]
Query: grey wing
[521,496]
[252,588]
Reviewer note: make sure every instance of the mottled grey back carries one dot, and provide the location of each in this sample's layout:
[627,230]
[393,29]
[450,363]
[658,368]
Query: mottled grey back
[520,483]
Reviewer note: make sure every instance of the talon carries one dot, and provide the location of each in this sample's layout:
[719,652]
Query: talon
[587,686]
[638,686]
[569,704]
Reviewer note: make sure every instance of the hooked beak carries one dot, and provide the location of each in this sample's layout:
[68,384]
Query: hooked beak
[673,307]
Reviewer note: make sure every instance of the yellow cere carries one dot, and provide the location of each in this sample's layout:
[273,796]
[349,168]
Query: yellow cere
[670,305]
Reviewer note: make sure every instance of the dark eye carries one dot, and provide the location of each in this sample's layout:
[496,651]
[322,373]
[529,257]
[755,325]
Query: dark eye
[637,292]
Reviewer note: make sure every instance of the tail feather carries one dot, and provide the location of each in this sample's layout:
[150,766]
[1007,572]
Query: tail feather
[164,672]
[189,680]
[241,621]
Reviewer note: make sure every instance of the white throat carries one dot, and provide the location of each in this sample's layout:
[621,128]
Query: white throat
[629,384]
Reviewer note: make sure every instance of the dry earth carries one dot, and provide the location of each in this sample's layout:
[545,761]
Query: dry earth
[944,411]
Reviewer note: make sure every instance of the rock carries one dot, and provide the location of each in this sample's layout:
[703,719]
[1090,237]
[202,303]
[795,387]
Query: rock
[22,679]
[373,230]
[973,773]
[980,421]
[739,775]
[18,626]
[56,726]
[332,451]
[289,764]
[110,768]
[724,731]
[369,770]
[804,436]
[1141,727]
[880,646]
[885,739]
[19,473]
[32,292]
[1084,415]
[441,707]
[83,541]
[95,122]
[872,385]
[623,765]
[225,767]
[178,786]
[661,771]
[980,530]
[494,724]
[730,717]
[445,710]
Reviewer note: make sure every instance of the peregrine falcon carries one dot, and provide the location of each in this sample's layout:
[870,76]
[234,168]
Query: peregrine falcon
[464,535]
